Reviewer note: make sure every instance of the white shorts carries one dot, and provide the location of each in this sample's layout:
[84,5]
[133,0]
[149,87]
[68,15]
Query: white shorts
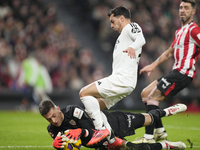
[112,89]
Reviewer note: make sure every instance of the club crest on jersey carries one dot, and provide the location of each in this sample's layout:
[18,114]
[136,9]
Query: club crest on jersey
[72,122]
[117,42]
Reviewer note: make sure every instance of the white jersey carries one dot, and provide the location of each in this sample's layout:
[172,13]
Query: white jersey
[124,67]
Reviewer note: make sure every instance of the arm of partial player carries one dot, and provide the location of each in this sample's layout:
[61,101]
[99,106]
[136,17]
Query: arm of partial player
[195,33]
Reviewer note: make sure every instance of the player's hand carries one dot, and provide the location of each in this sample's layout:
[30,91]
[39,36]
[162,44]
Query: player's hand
[131,52]
[58,141]
[73,135]
[148,69]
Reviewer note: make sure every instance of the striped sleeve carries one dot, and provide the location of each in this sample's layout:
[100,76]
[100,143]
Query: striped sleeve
[195,33]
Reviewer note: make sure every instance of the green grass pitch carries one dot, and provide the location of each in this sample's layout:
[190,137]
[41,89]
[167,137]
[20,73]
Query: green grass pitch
[27,130]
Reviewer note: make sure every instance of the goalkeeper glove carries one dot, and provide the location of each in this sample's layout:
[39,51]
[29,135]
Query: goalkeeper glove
[58,141]
[74,134]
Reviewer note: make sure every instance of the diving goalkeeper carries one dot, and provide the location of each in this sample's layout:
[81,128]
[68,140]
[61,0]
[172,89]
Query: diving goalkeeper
[76,122]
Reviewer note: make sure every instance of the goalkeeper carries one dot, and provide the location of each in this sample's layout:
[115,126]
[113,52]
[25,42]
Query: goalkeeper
[75,122]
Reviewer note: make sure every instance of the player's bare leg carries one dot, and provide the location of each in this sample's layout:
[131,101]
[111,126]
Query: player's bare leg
[152,96]
[160,133]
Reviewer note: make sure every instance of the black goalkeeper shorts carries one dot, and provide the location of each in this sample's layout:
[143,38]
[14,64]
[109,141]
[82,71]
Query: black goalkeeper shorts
[125,123]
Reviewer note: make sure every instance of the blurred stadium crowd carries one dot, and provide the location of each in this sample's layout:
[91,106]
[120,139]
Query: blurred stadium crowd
[31,28]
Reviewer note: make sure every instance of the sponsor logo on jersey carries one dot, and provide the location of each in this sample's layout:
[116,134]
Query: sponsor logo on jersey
[72,122]
[178,46]
[165,83]
[130,117]
[78,113]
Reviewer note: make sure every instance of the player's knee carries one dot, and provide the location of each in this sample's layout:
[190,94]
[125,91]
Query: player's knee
[153,102]
[144,93]
[144,96]
[81,92]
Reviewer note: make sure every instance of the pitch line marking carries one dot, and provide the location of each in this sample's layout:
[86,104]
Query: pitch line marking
[24,146]
[185,128]
[41,146]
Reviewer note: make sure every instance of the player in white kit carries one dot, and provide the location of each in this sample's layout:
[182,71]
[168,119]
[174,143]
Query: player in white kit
[108,91]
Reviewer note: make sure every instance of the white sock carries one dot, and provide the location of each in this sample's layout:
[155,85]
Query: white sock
[167,112]
[164,146]
[108,127]
[160,130]
[149,136]
[93,109]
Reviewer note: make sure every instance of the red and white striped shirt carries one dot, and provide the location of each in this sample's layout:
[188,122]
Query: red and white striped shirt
[186,46]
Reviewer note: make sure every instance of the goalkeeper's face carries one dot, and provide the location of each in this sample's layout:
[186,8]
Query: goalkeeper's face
[54,116]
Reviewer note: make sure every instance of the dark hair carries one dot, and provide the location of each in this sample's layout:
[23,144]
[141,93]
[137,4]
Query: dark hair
[45,106]
[120,10]
[192,2]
